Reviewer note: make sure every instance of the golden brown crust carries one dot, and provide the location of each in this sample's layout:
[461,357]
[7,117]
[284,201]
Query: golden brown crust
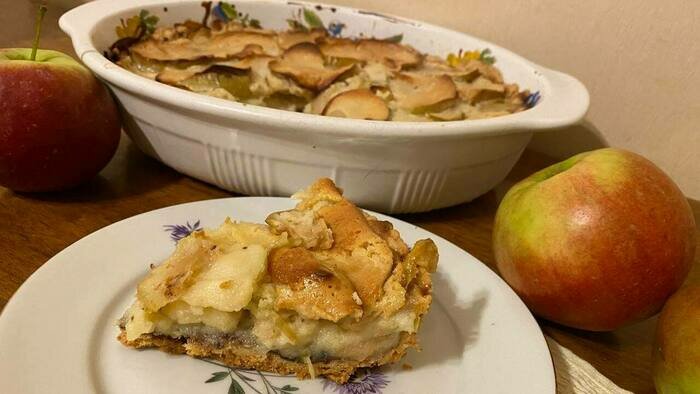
[415,91]
[365,261]
[386,230]
[366,251]
[357,104]
[321,192]
[290,266]
[301,285]
[324,297]
[239,356]
[336,264]
[178,271]
[393,55]
[206,45]
[288,39]
[304,63]
[358,253]
[311,72]
[303,228]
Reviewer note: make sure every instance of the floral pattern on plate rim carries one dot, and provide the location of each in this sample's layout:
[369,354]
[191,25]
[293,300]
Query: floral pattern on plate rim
[365,381]
[180,231]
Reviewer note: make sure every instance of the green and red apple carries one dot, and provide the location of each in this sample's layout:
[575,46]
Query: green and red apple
[676,356]
[59,125]
[595,242]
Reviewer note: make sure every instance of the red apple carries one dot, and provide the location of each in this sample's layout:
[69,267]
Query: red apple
[595,242]
[676,354]
[59,125]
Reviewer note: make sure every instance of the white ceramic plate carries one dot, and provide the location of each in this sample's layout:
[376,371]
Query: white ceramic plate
[57,334]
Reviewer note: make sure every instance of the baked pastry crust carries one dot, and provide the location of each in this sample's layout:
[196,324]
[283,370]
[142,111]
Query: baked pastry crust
[309,70]
[329,266]
[235,355]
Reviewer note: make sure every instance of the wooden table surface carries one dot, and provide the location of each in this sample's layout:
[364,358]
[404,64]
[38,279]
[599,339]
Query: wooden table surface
[38,226]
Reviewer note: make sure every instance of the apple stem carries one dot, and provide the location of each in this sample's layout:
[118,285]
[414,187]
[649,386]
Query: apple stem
[37,28]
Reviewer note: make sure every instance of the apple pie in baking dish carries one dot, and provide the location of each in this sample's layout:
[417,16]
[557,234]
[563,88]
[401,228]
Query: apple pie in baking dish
[318,290]
[310,68]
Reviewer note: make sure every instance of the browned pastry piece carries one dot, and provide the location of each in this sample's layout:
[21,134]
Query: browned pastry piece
[357,104]
[395,56]
[206,45]
[305,63]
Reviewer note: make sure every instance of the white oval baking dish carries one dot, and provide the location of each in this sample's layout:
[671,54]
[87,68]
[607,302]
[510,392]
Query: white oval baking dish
[386,166]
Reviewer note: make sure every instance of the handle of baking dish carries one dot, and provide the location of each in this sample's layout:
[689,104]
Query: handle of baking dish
[78,23]
[563,101]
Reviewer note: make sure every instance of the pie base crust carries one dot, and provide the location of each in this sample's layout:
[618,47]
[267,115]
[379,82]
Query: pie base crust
[239,356]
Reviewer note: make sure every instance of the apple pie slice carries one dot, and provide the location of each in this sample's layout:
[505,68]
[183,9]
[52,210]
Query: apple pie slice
[319,290]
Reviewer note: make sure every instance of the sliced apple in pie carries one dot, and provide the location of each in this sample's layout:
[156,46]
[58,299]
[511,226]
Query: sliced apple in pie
[318,290]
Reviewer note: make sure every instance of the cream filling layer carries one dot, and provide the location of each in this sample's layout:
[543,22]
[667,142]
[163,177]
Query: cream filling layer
[284,332]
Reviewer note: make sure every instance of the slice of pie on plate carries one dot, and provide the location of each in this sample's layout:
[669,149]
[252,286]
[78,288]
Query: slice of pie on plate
[319,290]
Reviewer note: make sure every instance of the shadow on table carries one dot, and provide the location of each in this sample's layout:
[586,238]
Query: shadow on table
[129,173]
[568,141]
[625,345]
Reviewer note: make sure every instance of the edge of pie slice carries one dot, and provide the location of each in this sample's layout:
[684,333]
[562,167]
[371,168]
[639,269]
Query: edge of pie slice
[318,290]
